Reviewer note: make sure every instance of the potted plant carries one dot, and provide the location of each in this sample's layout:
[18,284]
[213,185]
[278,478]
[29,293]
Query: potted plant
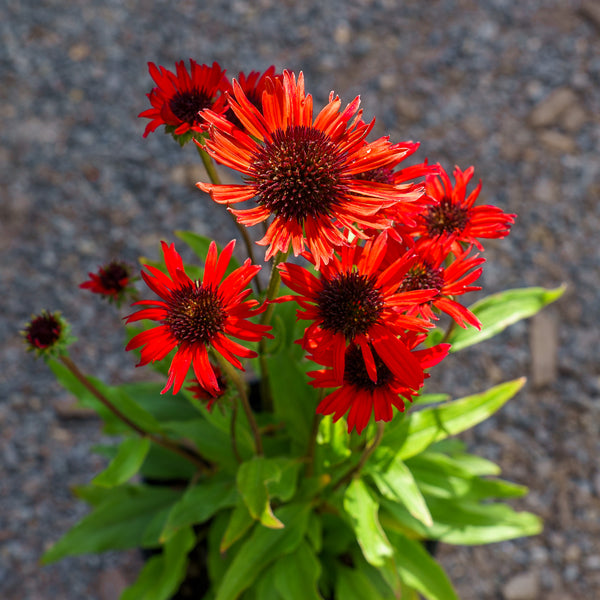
[291,450]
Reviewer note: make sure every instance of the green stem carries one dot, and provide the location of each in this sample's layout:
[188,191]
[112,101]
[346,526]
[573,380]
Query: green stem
[166,443]
[312,442]
[238,381]
[272,292]
[232,431]
[368,451]
[448,332]
[214,177]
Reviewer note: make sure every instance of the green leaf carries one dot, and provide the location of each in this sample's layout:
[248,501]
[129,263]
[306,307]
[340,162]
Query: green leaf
[441,476]
[118,521]
[296,574]
[127,462]
[362,508]
[422,428]
[174,407]
[333,443]
[163,464]
[252,479]
[352,584]
[294,401]
[396,482]
[262,548]
[419,570]
[200,503]
[476,465]
[430,399]
[462,522]
[283,485]
[162,574]
[470,523]
[498,311]
[314,532]
[240,522]
[212,443]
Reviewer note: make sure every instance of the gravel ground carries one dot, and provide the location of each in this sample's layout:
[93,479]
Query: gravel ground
[511,86]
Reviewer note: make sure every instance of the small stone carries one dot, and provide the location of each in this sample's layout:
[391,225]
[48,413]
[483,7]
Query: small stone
[525,586]
[111,584]
[408,108]
[590,11]
[573,553]
[343,34]
[560,142]
[78,52]
[592,562]
[543,341]
[574,119]
[548,111]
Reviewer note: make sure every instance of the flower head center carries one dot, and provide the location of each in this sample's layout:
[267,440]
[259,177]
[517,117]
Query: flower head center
[114,276]
[349,304]
[195,314]
[186,105]
[446,217]
[355,371]
[298,174]
[423,277]
[43,331]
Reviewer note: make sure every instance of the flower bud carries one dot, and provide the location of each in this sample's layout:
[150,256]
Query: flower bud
[47,334]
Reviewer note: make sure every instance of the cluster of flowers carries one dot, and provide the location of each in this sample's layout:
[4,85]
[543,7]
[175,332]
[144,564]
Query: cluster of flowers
[386,249]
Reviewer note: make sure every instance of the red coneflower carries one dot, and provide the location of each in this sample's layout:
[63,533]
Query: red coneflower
[253,85]
[354,301]
[302,172]
[179,97]
[194,316]
[358,395]
[199,392]
[449,216]
[112,281]
[430,271]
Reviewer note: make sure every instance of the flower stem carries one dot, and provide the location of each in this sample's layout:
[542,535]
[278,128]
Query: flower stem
[214,177]
[234,376]
[312,442]
[272,291]
[166,443]
[234,411]
[448,332]
[368,451]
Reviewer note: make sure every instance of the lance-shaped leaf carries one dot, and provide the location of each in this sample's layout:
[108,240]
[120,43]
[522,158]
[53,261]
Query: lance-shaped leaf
[498,311]
[462,522]
[125,464]
[419,570]
[252,481]
[362,508]
[119,521]
[162,574]
[441,476]
[262,548]
[200,503]
[420,429]
[296,574]
[239,523]
[396,482]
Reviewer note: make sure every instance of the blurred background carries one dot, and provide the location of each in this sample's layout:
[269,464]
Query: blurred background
[510,86]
